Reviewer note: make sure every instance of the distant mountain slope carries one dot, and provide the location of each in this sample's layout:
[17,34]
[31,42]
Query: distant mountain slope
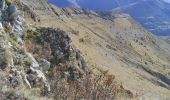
[152,14]
[98,5]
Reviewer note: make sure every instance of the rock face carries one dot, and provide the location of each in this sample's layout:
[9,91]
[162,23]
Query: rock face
[58,41]
[22,69]
[44,64]
[19,65]
[2,5]
[34,62]
[55,46]
[16,19]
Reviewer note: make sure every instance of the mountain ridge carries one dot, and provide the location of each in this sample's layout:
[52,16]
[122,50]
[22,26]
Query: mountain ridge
[152,14]
[83,53]
[112,37]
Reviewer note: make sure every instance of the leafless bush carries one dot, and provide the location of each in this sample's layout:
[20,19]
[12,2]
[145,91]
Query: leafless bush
[91,87]
[75,32]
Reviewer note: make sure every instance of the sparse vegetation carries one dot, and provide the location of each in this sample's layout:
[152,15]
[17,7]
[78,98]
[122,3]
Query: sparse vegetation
[13,41]
[111,48]
[32,35]
[75,32]
[115,43]
[7,29]
[81,40]
[91,87]
[9,2]
[28,62]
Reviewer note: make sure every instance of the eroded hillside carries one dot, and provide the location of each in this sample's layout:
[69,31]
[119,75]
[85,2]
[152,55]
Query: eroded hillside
[115,43]
[40,63]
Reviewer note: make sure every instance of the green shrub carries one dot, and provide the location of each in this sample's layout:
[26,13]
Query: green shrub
[7,29]
[31,35]
[9,2]
[28,62]
[14,41]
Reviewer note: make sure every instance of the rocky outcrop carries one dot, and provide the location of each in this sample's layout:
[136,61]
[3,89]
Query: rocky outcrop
[38,62]
[2,5]
[19,65]
[34,63]
[44,64]
[71,11]
[16,20]
[24,68]
[55,46]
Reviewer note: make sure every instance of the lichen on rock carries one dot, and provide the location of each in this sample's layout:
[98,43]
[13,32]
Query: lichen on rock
[15,61]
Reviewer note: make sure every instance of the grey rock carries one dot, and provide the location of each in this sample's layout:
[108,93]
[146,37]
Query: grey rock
[84,64]
[17,29]
[2,64]
[13,96]
[34,62]
[1,27]
[45,65]
[16,20]
[13,10]
[1,16]
[2,4]
[14,81]
[60,43]
[18,25]
[32,79]
[63,52]
[2,44]
[35,76]
[40,75]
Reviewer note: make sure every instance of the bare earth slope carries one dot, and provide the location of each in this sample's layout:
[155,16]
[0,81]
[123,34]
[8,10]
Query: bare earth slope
[138,59]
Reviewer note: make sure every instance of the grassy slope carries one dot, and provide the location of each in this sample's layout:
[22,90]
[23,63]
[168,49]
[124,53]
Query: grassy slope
[135,60]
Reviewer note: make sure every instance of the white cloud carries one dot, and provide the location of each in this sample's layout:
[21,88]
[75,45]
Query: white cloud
[74,2]
[168,1]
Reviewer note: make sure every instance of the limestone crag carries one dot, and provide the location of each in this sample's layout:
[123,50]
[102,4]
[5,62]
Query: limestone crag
[25,71]
[15,60]
[55,46]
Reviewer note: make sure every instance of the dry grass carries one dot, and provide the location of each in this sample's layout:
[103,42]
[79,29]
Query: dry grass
[91,87]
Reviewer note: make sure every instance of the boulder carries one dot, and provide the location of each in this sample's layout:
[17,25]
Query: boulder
[2,5]
[34,62]
[32,79]
[17,24]
[2,44]
[16,20]
[14,81]
[39,74]
[13,11]
[84,64]
[36,76]
[44,64]
[1,16]
[17,29]
[1,27]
